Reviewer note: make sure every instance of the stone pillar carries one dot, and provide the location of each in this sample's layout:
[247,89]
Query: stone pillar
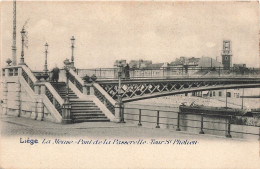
[19,71]
[34,114]
[91,90]
[6,72]
[35,102]
[85,92]
[66,118]
[17,98]
[40,109]
[42,89]
[40,105]
[5,91]
[117,112]
[88,87]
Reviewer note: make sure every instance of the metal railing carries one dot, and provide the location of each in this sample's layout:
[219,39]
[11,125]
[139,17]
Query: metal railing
[73,79]
[28,79]
[53,100]
[180,117]
[104,100]
[164,72]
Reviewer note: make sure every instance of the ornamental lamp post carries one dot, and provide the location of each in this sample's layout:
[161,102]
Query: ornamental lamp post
[72,51]
[22,52]
[46,54]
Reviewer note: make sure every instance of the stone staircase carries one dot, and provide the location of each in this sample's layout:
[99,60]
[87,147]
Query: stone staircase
[81,110]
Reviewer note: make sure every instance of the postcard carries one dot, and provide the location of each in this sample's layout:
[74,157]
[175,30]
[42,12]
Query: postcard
[129,84]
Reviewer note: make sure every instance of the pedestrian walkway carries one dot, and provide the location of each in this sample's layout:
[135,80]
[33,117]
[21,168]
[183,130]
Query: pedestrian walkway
[19,126]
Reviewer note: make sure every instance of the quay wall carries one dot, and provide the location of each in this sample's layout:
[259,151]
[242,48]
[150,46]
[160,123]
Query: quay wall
[188,122]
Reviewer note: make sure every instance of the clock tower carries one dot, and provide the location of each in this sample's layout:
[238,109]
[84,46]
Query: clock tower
[226,54]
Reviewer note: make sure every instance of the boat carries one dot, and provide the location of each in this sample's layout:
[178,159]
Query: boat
[210,110]
[256,113]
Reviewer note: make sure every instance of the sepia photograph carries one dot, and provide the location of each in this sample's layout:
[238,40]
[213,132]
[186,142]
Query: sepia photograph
[129,84]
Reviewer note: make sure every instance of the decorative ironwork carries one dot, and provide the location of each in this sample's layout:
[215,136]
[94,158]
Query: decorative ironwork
[11,72]
[49,94]
[25,76]
[28,79]
[58,106]
[53,100]
[31,84]
[75,81]
[138,89]
[16,72]
[169,72]
[105,101]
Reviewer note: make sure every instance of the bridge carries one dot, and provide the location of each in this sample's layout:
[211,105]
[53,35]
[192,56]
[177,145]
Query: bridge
[140,89]
[76,98]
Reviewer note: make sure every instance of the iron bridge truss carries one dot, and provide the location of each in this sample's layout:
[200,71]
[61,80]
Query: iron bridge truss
[132,90]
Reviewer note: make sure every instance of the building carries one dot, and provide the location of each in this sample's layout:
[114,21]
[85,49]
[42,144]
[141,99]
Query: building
[209,62]
[122,62]
[226,54]
[139,63]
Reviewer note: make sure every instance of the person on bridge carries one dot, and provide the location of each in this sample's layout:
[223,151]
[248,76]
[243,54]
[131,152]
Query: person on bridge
[55,74]
[127,74]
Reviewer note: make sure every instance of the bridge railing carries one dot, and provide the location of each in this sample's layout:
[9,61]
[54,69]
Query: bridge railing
[75,80]
[104,97]
[98,91]
[37,89]
[172,72]
[48,91]
[202,123]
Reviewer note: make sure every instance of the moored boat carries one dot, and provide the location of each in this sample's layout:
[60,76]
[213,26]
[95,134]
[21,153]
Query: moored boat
[221,111]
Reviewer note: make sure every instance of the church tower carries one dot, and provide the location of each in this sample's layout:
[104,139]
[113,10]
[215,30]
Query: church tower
[226,54]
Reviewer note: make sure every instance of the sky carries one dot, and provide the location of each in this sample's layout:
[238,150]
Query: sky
[106,31]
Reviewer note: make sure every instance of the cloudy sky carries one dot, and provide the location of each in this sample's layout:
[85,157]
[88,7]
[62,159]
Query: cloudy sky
[106,31]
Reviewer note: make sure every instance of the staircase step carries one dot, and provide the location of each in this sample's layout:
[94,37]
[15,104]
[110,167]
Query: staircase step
[78,100]
[84,108]
[84,105]
[86,111]
[90,120]
[71,92]
[89,113]
[89,117]
[68,95]
[81,110]
[81,103]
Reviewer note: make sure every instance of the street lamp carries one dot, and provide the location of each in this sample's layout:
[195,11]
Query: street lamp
[72,50]
[46,53]
[22,52]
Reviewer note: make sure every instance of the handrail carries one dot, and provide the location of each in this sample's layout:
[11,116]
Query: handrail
[230,120]
[29,73]
[105,98]
[54,97]
[76,77]
[175,67]
[101,90]
[72,76]
[50,92]
[54,92]
[169,72]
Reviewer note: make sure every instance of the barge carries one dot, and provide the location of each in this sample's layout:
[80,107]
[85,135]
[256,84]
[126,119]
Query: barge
[210,110]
